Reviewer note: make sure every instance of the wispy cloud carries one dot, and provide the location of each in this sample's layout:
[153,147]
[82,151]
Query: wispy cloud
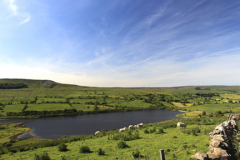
[13,6]
[27,18]
[15,11]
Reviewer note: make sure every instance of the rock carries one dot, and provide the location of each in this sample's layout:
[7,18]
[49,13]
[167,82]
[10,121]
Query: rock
[218,137]
[200,156]
[224,145]
[215,142]
[221,152]
[213,156]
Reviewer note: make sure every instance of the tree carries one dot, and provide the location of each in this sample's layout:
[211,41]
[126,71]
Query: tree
[203,113]
[95,106]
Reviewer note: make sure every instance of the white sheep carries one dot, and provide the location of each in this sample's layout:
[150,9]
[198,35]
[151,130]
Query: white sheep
[140,125]
[181,124]
[97,132]
[121,130]
[131,127]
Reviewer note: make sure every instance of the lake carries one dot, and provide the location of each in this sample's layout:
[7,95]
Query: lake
[55,127]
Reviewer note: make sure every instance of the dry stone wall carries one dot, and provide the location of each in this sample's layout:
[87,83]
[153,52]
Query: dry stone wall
[219,140]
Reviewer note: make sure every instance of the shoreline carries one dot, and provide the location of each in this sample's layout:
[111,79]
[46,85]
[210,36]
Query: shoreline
[23,126]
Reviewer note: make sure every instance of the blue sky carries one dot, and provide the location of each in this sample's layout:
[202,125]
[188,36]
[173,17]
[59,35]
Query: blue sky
[115,43]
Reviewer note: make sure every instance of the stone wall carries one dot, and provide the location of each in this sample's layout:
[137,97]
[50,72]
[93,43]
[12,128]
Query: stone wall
[219,140]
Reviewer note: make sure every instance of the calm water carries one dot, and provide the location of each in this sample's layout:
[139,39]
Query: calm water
[55,127]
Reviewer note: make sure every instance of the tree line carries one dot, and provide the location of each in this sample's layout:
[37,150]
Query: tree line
[12,85]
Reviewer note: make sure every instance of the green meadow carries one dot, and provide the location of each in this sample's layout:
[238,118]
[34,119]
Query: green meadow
[178,143]
[48,98]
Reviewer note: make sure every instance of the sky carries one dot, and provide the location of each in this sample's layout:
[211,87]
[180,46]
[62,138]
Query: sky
[121,43]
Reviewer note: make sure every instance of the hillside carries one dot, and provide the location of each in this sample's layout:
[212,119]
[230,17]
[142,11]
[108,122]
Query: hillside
[48,98]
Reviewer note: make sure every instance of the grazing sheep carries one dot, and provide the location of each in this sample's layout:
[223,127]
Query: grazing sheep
[140,125]
[122,129]
[180,124]
[131,127]
[97,132]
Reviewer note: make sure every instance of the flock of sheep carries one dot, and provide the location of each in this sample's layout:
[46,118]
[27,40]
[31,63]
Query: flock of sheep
[130,127]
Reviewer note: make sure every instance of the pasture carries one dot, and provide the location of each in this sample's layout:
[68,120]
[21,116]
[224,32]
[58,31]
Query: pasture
[14,108]
[8,130]
[47,107]
[177,143]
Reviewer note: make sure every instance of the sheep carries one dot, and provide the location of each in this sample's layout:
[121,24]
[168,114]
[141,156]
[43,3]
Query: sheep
[97,132]
[131,127]
[180,124]
[140,125]
[122,129]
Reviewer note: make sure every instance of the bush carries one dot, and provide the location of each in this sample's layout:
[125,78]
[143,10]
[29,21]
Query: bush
[194,132]
[217,114]
[203,113]
[160,131]
[37,157]
[84,149]
[146,131]
[122,145]
[44,156]
[62,147]
[100,152]
[136,155]
[152,130]
[211,115]
[12,141]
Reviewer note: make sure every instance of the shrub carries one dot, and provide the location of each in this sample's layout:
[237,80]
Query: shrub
[37,157]
[122,145]
[12,141]
[194,132]
[62,147]
[64,158]
[136,155]
[100,152]
[146,131]
[217,114]
[84,149]
[203,113]
[44,156]
[152,130]
[160,131]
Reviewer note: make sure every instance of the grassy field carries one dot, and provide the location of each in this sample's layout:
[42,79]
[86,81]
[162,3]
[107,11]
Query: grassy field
[50,96]
[177,143]
[9,130]
[14,108]
[47,107]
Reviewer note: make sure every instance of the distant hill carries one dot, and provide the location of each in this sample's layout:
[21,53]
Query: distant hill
[51,84]
[36,83]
